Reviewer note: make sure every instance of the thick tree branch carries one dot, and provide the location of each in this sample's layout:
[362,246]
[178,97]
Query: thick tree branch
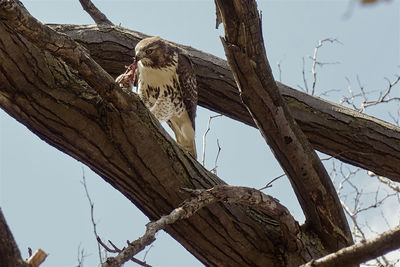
[223,193]
[244,48]
[16,16]
[128,147]
[361,252]
[95,13]
[114,134]
[346,134]
[9,252]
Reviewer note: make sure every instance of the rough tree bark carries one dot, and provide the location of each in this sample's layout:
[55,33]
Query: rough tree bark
[111,131]
[46,84]
[244,48]
[343,133]
[9,252]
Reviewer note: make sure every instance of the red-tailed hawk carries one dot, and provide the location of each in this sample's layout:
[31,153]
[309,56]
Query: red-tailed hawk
[167,85]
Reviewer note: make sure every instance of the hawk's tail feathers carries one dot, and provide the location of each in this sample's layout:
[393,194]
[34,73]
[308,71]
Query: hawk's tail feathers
[184,132]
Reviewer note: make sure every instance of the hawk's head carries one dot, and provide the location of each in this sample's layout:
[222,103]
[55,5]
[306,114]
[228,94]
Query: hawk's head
[155,52]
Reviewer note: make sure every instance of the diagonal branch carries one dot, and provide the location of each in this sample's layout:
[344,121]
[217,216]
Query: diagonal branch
[95,13]
[361,252]
[229,194]
[244,48]
[14,13]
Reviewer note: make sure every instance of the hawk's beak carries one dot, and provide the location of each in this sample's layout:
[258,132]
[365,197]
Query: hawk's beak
[135,61]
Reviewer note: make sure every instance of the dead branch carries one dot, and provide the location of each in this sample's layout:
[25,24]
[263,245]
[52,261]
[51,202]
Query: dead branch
[37,258]
[244,48]
[362,251]
[95,13]
[229,194]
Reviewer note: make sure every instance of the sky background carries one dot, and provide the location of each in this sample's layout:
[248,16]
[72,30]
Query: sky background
[41,193]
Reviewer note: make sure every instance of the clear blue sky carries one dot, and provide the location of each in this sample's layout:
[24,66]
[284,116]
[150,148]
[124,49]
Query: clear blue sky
[40,190]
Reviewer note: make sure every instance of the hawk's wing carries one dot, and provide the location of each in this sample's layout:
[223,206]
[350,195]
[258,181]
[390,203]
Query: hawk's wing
[188,85]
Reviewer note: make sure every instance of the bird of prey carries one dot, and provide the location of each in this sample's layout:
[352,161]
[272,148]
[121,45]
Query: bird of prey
[166,83]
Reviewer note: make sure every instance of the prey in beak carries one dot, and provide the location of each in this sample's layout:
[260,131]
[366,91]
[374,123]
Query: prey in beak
[127,80]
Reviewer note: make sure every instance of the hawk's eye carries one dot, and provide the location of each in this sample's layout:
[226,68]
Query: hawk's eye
[149,51]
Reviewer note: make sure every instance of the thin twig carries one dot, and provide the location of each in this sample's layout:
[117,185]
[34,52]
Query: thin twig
[81,256]
[147,251]
[269,184]
[202,197]
[115,249]
[305,89]
[205,135]
[383,96]
[214,170]
[83,182]
[315,62]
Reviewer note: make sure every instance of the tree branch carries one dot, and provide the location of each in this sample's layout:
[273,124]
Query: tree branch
[244,48]
[95,13]
[341,132]
[362,251]
[229,194]
[126,145]
[9,252]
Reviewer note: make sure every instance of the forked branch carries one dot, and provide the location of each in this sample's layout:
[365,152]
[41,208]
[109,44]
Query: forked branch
[244,48]
[224,193]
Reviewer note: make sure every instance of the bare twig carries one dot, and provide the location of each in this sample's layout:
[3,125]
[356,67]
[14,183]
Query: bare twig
[214,170]
[115,249]
[83,182]
[81,256]
[230,194]
[95,13]
[269,184]
[205,135]
[390,184]
[315,62]
[147,251]
[384,96]
[362,251]
[305,89]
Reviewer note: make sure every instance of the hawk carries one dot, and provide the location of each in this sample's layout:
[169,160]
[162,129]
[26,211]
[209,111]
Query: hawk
[166,83]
